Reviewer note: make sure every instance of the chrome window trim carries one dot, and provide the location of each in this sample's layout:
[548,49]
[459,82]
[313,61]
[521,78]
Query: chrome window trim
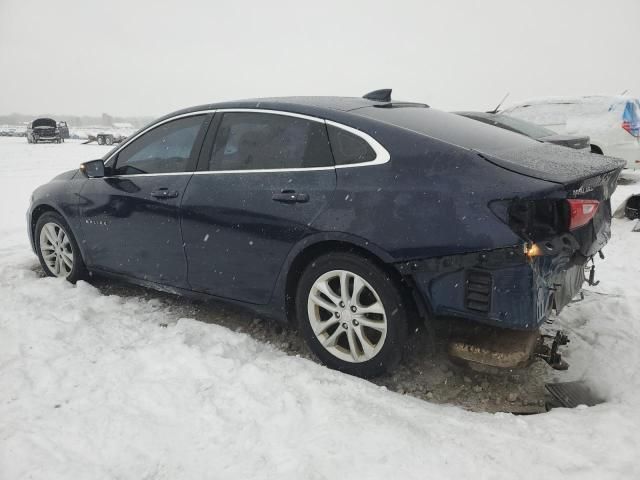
[382,154]
[272,112]
[151,127]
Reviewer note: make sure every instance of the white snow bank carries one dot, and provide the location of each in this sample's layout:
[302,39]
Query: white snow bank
[91,386]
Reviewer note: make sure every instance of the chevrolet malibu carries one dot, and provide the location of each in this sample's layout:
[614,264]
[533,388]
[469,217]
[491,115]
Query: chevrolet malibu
[350,217]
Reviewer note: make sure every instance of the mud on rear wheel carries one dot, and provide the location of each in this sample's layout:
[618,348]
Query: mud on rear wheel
[351,314]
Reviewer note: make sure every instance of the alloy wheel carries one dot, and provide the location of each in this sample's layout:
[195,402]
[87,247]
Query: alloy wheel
[347,316]
[56,249]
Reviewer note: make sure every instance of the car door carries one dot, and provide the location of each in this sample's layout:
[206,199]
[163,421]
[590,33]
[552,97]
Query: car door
[261,181]
[131,217]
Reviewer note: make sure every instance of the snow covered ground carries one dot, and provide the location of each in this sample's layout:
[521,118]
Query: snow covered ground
[91,386]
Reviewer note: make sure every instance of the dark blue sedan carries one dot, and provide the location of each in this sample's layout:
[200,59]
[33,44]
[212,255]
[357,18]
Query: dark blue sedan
[350,216]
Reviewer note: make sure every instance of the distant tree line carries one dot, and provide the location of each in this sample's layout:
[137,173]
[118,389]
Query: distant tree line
[76,120]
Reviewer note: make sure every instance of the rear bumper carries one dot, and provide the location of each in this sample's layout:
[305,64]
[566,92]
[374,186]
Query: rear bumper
[503,289]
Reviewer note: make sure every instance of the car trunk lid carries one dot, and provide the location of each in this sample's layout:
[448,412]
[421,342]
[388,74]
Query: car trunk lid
[553,163]
[545,218]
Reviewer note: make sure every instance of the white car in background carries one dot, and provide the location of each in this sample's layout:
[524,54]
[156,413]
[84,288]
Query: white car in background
[613,123]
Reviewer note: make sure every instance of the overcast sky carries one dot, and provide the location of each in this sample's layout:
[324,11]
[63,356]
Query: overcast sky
[152,57]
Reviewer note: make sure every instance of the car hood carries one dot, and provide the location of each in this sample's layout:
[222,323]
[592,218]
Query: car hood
[553,163]
[68,175]
[43,122]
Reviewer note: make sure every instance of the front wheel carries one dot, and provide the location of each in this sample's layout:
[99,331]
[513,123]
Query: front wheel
[57,249]
[352,314]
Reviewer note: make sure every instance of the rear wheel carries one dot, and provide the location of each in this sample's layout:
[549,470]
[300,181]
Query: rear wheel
[57,249]
[351,314]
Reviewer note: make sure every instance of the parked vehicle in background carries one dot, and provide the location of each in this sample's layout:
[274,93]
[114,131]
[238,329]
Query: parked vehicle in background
[612,123]
[351,216]
[529,129]
[64,130]
[109,138]
[106,138]
[7,131]
[43,130]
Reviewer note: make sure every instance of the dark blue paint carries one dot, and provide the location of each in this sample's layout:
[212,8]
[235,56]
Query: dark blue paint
[224,236]
[128,231]
[237,237]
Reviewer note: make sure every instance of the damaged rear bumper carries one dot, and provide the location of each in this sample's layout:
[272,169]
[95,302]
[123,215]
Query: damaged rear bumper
[504,287]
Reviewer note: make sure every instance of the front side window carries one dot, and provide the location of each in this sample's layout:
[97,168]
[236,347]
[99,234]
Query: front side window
[165,149]
[259,141]
[349,148]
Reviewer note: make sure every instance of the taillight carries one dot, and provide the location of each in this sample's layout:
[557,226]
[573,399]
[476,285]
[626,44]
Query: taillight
[581,212]
[631,128]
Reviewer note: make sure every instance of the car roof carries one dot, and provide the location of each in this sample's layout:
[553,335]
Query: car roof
[325,107]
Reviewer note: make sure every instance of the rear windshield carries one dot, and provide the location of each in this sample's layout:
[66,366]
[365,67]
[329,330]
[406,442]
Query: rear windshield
[450,128]
[522,126]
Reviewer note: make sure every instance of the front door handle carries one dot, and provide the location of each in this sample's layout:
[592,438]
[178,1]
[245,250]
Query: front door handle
[164,193]
[290,196]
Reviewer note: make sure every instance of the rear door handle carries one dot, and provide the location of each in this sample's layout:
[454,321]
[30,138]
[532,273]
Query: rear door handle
[164,193]
[290,196]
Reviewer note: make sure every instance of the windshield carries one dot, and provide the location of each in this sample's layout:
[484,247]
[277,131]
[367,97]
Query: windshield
[522,126]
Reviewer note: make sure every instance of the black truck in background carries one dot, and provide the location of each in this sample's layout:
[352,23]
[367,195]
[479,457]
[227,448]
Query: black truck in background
[43,130]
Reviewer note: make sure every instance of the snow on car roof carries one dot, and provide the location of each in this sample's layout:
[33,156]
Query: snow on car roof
[586,99]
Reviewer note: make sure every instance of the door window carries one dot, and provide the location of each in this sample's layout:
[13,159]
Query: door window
[165,149]
[259,141]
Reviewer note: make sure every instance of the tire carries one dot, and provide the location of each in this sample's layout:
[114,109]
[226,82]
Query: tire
[345,331]
[51,247]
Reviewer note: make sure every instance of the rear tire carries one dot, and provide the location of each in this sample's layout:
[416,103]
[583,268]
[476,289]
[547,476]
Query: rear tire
[57,248]
[360,329]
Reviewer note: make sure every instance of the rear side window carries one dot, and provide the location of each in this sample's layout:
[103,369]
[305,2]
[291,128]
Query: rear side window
[261,141]
[165,149]
[349,148]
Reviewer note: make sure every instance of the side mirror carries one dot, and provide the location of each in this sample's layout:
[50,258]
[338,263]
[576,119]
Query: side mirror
[93,169]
